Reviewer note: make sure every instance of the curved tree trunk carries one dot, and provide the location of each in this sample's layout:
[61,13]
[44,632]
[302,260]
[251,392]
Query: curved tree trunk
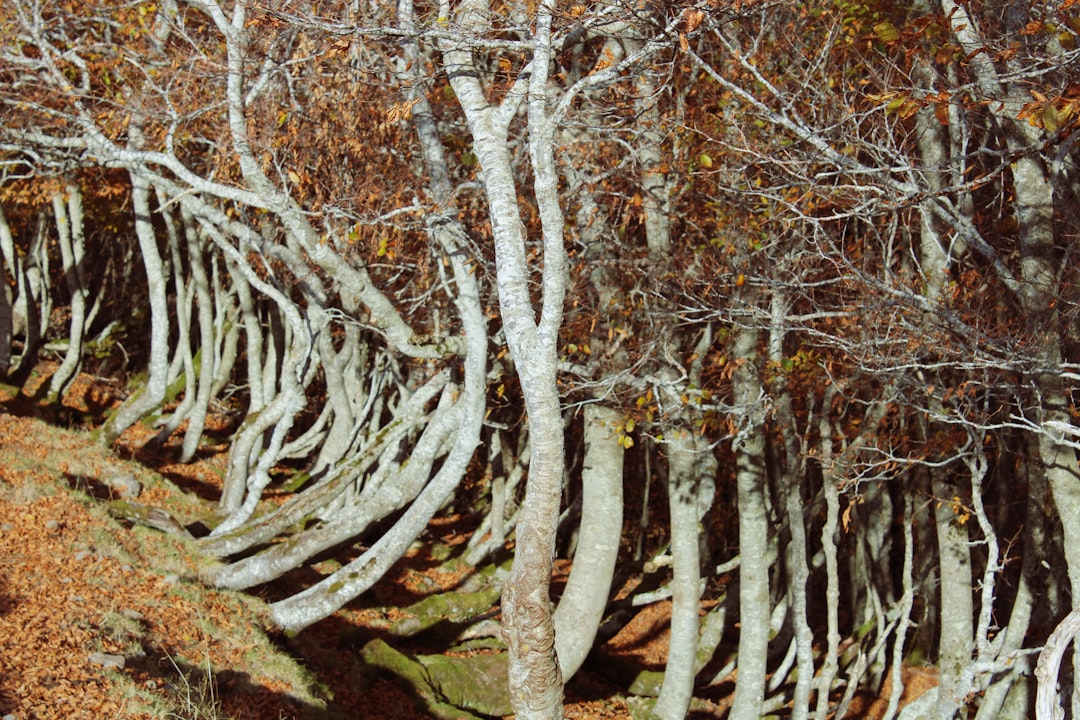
[151,395]
[581,607]
[208,331]
[69,226]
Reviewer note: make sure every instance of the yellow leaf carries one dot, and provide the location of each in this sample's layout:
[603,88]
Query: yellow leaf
[293,177]
[1051,119]
[886,32]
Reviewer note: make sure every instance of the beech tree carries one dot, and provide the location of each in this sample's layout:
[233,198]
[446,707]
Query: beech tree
[810,265]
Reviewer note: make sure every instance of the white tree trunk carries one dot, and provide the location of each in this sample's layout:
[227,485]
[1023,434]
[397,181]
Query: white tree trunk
[528,628]
[69,226]
[150,396]
[582,604]
[684,469]
[754,609]
[954,600]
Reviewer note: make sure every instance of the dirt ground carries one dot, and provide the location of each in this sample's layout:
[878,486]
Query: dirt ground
[100,618]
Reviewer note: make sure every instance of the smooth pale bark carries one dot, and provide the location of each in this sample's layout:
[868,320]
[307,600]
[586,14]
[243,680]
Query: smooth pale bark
[69,225]
[32,303]
[1049,665]
[253,336]
[955,602]
[183,357]
[356,577]
[152,394]
[687,462]
[380,497]
[655,184]
[995,701]
[790,468]
[1039,289]
[907,601]
[208,330]
[691,488]
[8,259]
[408,418]
[581,606]
[754,609]
[330,594]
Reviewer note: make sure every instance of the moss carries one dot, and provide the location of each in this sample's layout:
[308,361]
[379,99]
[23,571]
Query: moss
[450,688]
[453,607]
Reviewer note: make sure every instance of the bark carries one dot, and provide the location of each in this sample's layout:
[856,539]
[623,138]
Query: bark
[754,607]
[69,225]
[582,604]
[151,395]
[254,338]
[208,330]
[954,599]
[32,303]
[684,473]
[831,490]
[1049,665]
[790,469]
[907,601]
[320,600]
[1039,289]
[408,418]
[7,315]
[183,356]
[380,497]
[535,680]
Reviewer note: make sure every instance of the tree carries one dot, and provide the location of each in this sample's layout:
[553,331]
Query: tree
[814,258]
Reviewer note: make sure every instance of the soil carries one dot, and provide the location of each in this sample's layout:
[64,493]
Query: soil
[102,618]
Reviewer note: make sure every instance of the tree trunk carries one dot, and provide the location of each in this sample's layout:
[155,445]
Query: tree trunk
[753,530]
[208,331]
[954,599]
[684,470]
[151,395]
[535,680]
[581,606]
[69,226]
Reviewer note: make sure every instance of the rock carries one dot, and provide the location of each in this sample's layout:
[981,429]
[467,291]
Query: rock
[147,515]
[124,485]
[52,526]
[116,662]
[7,527]
[132,615]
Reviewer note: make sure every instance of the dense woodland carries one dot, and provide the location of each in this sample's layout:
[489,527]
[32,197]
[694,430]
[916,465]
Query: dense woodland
[795,281]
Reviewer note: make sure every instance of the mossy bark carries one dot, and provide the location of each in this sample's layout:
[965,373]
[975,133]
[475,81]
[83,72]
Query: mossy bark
[449,687]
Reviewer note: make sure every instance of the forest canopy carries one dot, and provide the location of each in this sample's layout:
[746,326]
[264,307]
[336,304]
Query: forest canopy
[800,279]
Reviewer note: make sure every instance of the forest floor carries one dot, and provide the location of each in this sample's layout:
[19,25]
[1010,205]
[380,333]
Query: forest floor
[100,618]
